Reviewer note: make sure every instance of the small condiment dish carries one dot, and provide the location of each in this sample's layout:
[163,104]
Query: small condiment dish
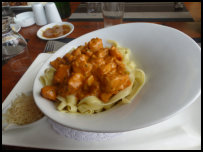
[42,29]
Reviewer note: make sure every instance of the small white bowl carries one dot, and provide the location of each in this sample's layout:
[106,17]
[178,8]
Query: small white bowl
[25,19]
[42,29]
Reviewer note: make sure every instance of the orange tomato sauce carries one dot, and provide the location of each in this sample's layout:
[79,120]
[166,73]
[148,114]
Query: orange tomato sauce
[89,70]
[56,31]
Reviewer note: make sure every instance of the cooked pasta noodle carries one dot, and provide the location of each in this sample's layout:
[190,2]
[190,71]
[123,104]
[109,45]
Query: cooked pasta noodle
[47,78]
[91,104]
[68,104]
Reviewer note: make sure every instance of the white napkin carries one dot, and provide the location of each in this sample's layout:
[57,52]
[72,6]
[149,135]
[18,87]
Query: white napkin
[81,135]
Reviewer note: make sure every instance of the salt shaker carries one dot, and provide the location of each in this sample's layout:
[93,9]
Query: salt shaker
[52,13]
[39,13]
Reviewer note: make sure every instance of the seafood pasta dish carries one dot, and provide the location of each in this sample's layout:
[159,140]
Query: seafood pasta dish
[92,78]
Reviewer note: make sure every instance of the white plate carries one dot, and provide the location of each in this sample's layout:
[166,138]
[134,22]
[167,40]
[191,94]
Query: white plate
[42,29]
[29,5]
[172,62]
[182,131]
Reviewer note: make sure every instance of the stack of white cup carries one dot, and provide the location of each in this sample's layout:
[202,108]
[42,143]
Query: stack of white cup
[47,14]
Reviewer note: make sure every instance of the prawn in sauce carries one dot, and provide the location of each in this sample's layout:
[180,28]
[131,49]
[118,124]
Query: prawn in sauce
[89,70]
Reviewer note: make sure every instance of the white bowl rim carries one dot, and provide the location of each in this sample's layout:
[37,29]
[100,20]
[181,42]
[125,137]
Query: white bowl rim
[28,13]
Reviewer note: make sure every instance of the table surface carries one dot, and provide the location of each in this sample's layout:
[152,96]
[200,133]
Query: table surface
[36,45]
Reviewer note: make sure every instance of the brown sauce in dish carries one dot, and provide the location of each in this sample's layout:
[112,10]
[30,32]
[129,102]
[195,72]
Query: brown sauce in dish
[56,31]
[89,70]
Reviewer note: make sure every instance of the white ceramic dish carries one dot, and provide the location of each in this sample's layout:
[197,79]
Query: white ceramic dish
[183,131]
[171,61]
[25,19]
[42,29]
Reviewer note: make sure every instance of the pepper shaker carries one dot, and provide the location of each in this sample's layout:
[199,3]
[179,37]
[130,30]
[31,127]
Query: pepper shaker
[52,13]
[39,13]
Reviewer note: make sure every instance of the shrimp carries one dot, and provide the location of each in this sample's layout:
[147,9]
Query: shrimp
[95,44]
[49,92]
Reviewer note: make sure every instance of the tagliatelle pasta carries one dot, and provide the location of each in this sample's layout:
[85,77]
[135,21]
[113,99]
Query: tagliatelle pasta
[68,104]
[47,78]
[92,78]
